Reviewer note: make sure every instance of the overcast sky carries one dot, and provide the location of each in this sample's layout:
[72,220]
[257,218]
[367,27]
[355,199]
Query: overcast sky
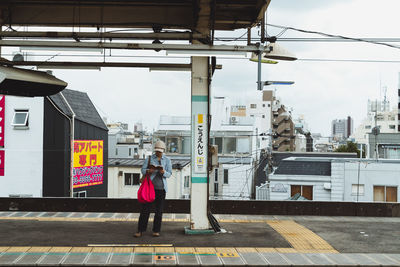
[323,91]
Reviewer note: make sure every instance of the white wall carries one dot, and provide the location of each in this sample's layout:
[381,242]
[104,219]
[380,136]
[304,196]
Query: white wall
[240,178]
[118,189]
[319,193]
[371,173]
[23,149]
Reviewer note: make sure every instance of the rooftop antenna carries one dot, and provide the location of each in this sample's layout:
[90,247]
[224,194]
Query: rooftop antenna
[385,94]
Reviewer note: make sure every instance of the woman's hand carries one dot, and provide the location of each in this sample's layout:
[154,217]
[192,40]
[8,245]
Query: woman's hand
[162,171]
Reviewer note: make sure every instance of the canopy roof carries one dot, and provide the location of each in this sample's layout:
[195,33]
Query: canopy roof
[176,14]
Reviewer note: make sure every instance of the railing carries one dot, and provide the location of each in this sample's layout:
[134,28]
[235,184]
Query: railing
[262,192]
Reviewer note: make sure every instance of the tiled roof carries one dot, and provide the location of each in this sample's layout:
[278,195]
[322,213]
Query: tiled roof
[321,168]
[82,106]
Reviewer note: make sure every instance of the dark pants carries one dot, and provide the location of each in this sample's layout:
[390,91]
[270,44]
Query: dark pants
[145,213]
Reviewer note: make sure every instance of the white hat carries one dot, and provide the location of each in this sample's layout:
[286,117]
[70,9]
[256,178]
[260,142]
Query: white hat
[159,146]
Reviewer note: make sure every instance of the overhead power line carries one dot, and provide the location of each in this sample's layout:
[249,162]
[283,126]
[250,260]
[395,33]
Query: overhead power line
[334,36]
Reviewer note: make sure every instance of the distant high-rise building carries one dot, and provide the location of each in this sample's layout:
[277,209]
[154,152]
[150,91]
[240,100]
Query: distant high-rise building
[342,128]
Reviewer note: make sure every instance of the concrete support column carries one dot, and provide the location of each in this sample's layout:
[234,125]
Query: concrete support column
[199,173]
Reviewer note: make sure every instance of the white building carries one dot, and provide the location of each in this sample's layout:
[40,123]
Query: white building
[334,179]
[35,158]
[22,161]
[236,148]
[386,121]
[124,175]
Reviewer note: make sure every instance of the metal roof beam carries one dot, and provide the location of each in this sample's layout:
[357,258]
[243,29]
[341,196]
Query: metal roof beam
[70,64]
[134,46]
[101,35]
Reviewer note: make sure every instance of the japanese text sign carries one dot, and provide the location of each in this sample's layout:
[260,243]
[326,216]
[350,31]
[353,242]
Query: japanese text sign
[200,142]
[88,162]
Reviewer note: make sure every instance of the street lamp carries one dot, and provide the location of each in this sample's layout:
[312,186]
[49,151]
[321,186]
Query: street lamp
[272,51]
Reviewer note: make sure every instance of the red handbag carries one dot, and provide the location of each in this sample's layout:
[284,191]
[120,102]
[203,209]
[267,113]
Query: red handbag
[146,193]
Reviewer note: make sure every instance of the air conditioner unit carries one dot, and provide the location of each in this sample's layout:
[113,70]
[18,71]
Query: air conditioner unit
[233,120]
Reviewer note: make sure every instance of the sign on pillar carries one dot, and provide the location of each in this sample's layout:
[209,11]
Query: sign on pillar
[200,148]
[198,192]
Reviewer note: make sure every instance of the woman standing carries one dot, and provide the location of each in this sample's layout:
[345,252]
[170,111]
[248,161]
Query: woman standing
[160,169]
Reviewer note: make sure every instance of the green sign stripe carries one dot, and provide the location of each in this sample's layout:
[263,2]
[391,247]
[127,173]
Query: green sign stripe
[199,98]
[199,180]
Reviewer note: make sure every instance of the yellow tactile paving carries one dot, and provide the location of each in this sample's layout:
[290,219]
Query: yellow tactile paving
[226,250]
[205,250]
[286,250]
[266,250]
[246,250]
[123,250]
[2,249]
[60,249]
[185,250]
[38,249]
[144,250]
[18,249]
[81,249]
[299,236]
[102,249]
[241,221]
[164,250]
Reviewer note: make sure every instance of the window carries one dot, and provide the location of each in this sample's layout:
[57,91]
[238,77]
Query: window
[172,144]
[392,126]
[357,189]
[385,193]
[229,145]
[215,189]
[216,175]
[186,148]
[80,194]
[21,118]
[253,105]
[135,150]
[367,126]
[116,151]
[132,178]
[226,180]
[263,105]
[243,145]
[218,142]
[304,190]
[186,182]
[263,116]
[130,151]
[269,105]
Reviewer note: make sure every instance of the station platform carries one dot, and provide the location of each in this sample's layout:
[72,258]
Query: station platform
[106,239]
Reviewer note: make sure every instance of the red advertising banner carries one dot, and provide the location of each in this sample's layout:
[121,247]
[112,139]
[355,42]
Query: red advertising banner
[2,161]
[2,118]
[88,163]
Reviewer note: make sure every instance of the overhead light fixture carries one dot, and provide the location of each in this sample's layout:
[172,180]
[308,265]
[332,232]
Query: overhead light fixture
[168,69]
[54,67]
[254,58]
[205,53]
[275,51]
[266,83]
[23,82]
[77,49]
